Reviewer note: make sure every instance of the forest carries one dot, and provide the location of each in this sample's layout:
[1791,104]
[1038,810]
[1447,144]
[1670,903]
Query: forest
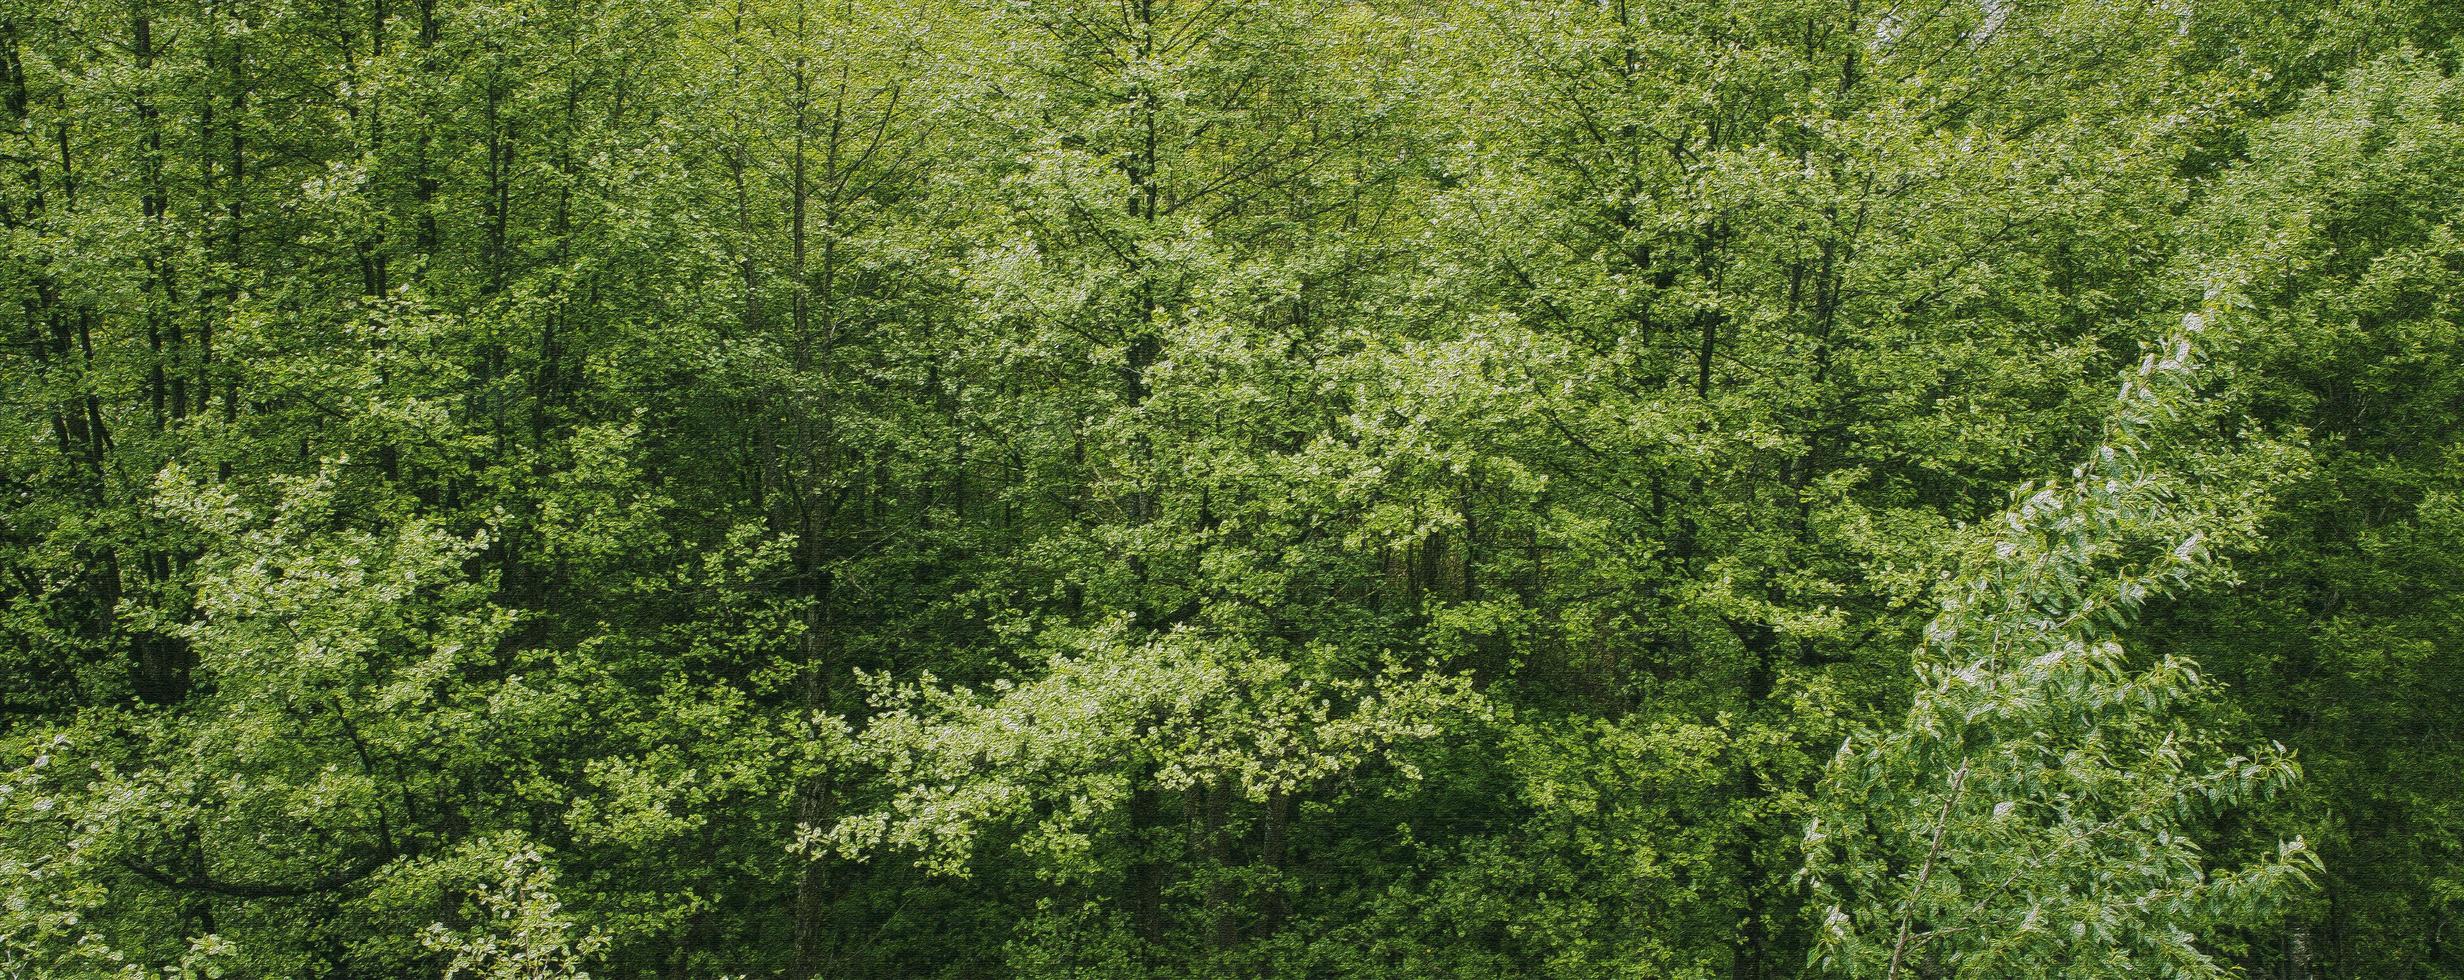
[1690,489]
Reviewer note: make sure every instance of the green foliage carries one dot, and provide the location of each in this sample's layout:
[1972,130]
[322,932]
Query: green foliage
[2036,813]
[517,933]
[1208,488]
[2343,637]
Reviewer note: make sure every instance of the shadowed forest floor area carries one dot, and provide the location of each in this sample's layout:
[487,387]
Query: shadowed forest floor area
[1694,489]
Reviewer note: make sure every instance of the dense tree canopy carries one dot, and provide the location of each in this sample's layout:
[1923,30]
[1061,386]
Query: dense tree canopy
[1231,488]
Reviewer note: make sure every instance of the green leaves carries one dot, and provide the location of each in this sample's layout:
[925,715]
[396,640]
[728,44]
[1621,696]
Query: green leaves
[1057,758]
[518,931]
[2060,842]
[1197,488]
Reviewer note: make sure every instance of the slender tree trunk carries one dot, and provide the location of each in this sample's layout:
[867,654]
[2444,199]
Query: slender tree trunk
[804,470]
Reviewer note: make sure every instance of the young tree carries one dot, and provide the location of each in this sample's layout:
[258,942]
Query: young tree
[2037,813]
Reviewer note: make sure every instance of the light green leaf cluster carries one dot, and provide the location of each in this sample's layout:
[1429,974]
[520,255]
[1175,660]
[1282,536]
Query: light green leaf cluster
[1056,759]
